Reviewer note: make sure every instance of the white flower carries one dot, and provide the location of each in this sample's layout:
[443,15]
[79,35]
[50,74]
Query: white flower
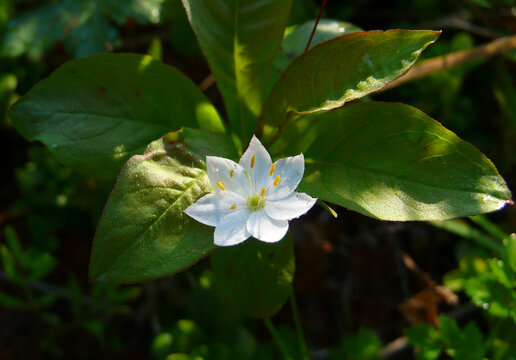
[253,198]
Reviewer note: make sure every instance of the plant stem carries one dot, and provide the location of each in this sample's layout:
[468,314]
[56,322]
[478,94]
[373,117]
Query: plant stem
[465,230]
[488,226]
[315,25]
[299,329]
[433,65]
[277,339]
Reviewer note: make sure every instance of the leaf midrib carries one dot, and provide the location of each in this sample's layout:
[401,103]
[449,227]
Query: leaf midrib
[391,176]
[91,114]
[115,259]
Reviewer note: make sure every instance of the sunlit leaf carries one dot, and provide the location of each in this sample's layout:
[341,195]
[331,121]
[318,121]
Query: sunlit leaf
[143,232]
[94,113]
[239,39]
[294,43]
[392,162]
[345,68]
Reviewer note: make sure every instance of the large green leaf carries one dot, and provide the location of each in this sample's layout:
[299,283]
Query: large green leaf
[392,162]
[339,70]
[143,232]
[240,38]
[295,41]
[254,276]
[94,113]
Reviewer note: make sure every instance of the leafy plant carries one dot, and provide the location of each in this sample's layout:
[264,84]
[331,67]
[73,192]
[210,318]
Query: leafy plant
[389,161]
[465,343]
[81,25]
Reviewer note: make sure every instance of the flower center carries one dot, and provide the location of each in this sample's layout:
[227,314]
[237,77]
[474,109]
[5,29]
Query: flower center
[256,202]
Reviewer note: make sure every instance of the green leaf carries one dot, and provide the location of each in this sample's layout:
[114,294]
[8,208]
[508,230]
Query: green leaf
[8,262]
[294,43]
[254,276]
[391,161]
[94,113]
[365,345]
[143,233]
[450,331]
[426,340]
[510,249]
[81,25]
[471,346]
[239,39]
[148,11]
[12,302]
[345,68]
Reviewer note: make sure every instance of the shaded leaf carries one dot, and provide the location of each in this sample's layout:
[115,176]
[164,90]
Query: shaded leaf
[255,276]
[143,11]
[239,39]
[345,68]
[81,25]
[143,233]
[392,162]
[94,113]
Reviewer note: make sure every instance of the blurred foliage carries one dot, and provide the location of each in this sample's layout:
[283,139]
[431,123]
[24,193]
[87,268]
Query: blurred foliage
[48,212]
[466,343]
[365,345]
[489,282]
[81,25]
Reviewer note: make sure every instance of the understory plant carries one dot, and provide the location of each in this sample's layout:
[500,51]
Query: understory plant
[131,116]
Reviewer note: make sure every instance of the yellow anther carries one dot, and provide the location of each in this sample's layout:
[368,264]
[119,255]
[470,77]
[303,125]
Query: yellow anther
[233,207]
[221,185]
[232,173]
[276,181]
[272,169]
[252,161]
[262,193]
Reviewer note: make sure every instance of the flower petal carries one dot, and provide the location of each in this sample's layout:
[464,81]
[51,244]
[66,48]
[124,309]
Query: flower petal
[211,208]
[290,207]
[264,228]
[257,162]
[232,229]
[290,171]
[227,175]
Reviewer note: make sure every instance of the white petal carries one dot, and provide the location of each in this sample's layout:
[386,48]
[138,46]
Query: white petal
[290,207]
[227,175]
[211,208]
[264,228]
[290,171]
[232,229]
[259,168]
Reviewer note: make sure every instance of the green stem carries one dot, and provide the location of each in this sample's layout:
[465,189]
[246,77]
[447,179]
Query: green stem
[299,329]
[277,339]
[463,229]
[488,226]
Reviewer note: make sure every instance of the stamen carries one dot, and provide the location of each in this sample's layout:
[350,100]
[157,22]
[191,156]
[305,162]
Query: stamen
[232,173]
[252,161]
[262,194]
[221,185]
[247,176]
[272,169]
[276,181]
[233,207]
